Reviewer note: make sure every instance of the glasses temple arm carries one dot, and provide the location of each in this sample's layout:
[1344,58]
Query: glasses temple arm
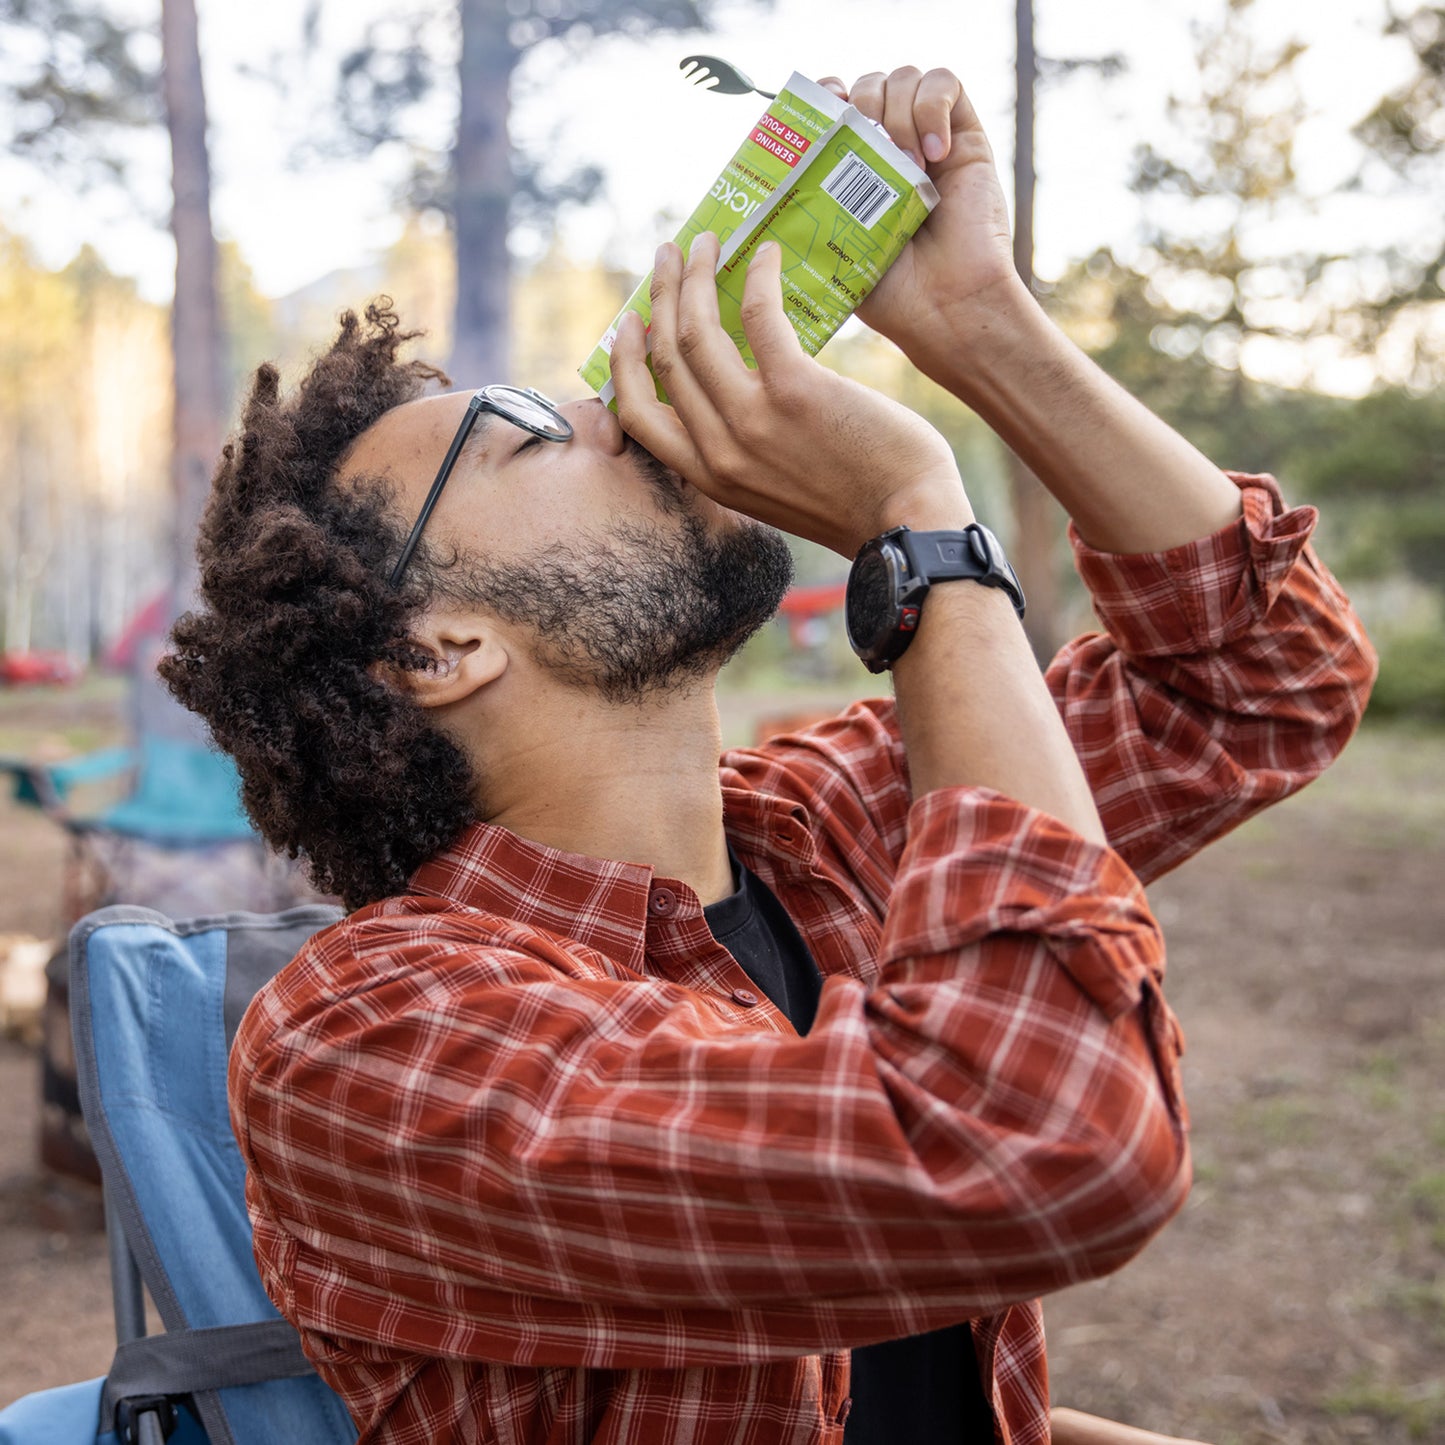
[474,409]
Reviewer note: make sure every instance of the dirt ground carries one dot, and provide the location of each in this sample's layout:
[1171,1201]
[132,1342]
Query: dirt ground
[1299,1299]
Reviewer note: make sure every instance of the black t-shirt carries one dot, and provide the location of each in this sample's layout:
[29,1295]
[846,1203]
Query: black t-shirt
[925,1388]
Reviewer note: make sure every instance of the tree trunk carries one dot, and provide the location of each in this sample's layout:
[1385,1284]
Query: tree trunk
[482,173]
[33,540]
[195,314]
[1036,515]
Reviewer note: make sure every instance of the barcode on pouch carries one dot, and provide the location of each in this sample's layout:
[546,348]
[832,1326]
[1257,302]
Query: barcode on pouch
[859,189]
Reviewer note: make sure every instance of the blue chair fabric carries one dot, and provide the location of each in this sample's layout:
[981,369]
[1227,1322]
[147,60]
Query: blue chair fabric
[155,1005]
[183,794]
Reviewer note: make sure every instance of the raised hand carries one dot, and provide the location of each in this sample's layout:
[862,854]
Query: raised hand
[952,273]
[790,443]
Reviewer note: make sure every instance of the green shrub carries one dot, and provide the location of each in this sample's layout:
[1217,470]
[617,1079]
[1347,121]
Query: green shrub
[1411,684]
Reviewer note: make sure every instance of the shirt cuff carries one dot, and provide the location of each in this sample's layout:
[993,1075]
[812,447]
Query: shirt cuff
[1206,593]
[979,864]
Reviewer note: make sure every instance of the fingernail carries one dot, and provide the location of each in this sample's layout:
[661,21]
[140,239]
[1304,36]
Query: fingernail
[933,147]
[661,255]
[767,248]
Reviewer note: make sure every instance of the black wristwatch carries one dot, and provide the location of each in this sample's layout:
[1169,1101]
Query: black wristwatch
[892,574]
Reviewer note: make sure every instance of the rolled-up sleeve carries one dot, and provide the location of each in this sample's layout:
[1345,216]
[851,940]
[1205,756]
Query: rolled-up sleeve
[1231,672]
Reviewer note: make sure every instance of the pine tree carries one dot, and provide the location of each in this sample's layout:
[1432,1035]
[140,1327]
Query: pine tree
[77,79]
[483,183]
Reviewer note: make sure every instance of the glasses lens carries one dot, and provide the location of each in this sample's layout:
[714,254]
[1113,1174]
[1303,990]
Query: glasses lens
[528,408]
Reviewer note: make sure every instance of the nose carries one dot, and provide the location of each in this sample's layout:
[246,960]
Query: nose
[595,426]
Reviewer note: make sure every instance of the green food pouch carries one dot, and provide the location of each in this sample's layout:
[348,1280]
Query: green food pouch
[826,183]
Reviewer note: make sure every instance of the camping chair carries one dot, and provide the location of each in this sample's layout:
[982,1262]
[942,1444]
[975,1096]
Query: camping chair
[155,1005]
[177,841]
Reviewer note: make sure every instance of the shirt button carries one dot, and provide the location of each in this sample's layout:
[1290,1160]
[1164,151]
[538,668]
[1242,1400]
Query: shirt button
[745,996]
[662,903]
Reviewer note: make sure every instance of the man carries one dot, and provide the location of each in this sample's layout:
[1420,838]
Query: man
[643,1100]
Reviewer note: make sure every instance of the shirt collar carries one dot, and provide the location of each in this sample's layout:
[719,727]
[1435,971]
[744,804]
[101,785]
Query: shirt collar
[596,902]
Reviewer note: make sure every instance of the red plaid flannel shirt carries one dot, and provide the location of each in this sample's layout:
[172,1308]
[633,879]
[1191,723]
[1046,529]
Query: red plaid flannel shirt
[528,1161]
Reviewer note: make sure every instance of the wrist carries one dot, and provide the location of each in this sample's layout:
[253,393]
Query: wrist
[894,577]
[988,344]
[932,507]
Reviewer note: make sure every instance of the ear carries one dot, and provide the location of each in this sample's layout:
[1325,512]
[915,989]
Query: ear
[463,655]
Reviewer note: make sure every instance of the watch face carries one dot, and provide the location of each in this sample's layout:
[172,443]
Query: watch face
[870,601]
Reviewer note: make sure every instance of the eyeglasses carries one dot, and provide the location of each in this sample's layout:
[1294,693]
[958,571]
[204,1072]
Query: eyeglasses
[521,406]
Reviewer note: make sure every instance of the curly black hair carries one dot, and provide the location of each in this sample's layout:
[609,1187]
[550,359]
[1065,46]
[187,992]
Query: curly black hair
[337,767]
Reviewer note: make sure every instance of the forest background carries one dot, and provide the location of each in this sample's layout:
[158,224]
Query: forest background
[1284,313]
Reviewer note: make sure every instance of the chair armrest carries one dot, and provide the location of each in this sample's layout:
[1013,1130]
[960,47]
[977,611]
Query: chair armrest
[47,785]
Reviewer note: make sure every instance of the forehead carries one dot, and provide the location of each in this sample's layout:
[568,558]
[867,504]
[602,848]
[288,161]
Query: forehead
[406,444]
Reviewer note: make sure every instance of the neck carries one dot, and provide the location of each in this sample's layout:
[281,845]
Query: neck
[635,782]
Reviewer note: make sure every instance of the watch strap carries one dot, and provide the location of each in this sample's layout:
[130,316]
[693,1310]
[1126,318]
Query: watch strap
[971,553]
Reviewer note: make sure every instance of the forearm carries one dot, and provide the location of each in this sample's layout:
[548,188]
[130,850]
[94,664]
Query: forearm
[1073,1427]
[974,709]
[1129,481]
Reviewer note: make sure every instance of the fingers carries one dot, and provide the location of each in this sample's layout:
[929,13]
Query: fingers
[769,332]
[711,358]
[898,97]
[939,106]
[831,82]
[643,417]
[868,94]
[921,112]
[693,359]
[671,366]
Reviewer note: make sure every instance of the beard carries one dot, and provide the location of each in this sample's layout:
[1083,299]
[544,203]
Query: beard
[640,607]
